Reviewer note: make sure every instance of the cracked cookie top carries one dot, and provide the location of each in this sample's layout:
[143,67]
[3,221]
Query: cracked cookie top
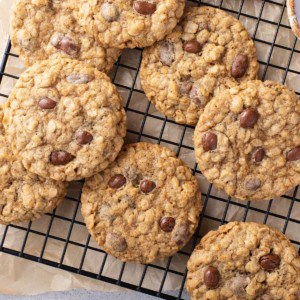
[65,119]
[208,51]
[130,23]
[244,261]
[144,206]
[247,141]
[40,28]
[24,196]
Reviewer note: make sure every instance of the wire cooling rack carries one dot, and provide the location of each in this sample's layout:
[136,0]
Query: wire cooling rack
[54,239]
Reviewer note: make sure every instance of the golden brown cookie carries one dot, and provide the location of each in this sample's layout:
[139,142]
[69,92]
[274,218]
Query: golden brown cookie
[24,196]
[144,206]
[65,119]
[244,261]
[247,141]
[41,28]
[207,52]
[129,23]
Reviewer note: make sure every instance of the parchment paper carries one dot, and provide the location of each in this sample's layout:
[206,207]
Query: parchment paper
[21,276]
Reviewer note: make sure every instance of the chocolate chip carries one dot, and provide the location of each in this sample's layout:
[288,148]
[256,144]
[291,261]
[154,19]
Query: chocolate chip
[269,262]
[147,186]
[109,12]
[60,157]
[293,154]
[248,117]
[209,141]
[192,46]
[211,277]
[185,87]
[166,53]
[65,44]
[144,7]
[116,242]
[167,224]
[252,184]
[117,181]
[258,154]
[83,137]
[239,66]
[47,103]
[78,78]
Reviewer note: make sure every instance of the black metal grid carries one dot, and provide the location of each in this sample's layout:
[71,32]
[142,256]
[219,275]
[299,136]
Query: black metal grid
[277,57]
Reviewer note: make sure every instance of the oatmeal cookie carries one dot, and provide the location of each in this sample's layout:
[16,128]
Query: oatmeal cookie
[24,196]
[244,261]
[130,23]
[144,206]
[247,141]
[65,119]
[40,28]
[208,51]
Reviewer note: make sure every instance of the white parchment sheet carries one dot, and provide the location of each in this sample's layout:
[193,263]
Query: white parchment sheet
[20,276]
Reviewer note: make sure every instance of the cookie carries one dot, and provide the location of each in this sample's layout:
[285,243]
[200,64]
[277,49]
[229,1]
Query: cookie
[247,141]
[130,23]
[244,261]
[42,28]
[65,119]
[24,196]
[208,51]
[144,206]
[293,9]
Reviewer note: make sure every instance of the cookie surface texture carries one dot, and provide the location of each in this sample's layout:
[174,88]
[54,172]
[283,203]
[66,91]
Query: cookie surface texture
[129,24]
[247,141]
[41,28]
[208,51]
[65,120]
[244,261]
[144,206]
[24,196]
